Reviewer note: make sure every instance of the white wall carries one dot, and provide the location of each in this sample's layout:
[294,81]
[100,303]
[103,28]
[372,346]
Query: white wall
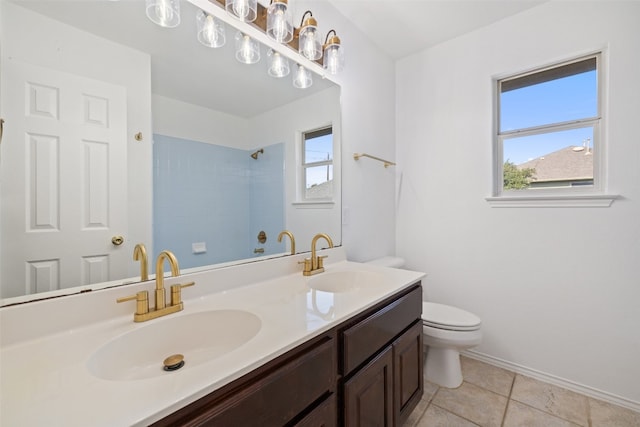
[558,289]
[367,98]
[188,121]
[308,113]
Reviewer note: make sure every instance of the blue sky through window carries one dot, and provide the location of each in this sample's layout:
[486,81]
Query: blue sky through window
[519,150]
[319,149]
[555,101]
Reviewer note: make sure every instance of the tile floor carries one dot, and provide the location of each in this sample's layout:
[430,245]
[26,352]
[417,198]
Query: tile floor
[492,396]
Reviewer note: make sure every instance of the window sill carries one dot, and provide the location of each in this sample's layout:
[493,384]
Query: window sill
[319,204]
[564,201]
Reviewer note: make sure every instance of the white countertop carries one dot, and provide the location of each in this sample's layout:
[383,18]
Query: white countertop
[43,370]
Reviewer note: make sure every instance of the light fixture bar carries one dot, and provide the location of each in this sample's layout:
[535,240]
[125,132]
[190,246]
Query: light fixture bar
[216,8]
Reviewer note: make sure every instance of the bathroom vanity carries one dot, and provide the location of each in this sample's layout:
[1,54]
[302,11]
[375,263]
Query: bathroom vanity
[263,345]
[366,371]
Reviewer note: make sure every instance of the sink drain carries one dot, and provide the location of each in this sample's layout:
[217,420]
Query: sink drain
[173,362]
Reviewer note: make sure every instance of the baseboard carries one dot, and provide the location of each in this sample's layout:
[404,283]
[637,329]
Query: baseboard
[552,379]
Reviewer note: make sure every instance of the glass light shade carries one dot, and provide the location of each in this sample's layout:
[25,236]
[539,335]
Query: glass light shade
[333,60]
[278,64]
[247,49]
[165,13]
[211,31]
[302,78]
[279,22]
[310,46]
[244,10]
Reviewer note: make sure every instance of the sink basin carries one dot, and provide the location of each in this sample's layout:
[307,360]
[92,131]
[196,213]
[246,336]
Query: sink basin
[200,337]
[344,281]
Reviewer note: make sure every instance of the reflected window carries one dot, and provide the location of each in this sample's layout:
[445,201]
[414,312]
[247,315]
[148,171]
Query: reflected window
[317,164]
[548,128]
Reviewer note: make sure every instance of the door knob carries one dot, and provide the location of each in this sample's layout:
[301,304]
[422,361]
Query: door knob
[117,240]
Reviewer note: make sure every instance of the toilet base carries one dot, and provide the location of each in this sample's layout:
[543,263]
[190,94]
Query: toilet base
[442,367]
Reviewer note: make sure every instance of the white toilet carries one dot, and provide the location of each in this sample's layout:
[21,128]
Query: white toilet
[447,331]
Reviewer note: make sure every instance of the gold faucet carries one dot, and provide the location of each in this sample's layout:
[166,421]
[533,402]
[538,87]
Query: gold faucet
[175,272]
[293,241]
[140,254]
[314,265]
[143,313]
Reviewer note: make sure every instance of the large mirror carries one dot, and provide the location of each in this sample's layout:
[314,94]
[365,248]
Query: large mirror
[119,132]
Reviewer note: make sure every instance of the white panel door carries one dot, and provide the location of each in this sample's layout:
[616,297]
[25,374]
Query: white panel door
[63,175]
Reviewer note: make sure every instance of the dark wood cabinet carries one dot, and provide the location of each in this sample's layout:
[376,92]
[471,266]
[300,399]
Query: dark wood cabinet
[375,329]
[281,392]
[324,415]
[408,369]
[366,371]
[382,363]
[368,395]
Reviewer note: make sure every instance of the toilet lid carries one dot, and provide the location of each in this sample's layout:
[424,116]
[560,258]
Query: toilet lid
[446,317]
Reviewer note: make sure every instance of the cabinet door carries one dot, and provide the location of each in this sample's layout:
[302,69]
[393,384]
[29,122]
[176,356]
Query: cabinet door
[368,395]
[408,369]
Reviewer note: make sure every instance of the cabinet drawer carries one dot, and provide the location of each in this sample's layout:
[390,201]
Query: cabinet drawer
[279,397]
[361,341]
[273,399]
[324,415]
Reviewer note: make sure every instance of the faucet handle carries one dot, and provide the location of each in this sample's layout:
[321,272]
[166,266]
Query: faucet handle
[320,260]
[307,264]
[142,301]
[176,292]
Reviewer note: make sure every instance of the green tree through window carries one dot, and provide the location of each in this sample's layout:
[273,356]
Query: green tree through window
[516,179]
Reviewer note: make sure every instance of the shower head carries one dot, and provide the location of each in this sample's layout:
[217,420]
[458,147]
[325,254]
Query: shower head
[255,155]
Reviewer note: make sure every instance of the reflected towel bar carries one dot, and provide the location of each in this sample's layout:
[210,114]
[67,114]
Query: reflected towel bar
[387,163]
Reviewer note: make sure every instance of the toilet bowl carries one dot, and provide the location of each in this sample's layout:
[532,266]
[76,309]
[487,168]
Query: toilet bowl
[447,331]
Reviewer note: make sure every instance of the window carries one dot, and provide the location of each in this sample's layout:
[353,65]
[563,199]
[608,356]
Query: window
[548,131]
[317,164]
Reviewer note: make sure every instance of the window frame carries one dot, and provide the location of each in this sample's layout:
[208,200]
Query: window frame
[309,134]
[592,195]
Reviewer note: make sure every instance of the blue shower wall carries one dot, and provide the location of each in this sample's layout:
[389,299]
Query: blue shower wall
[267,200]
[204,193]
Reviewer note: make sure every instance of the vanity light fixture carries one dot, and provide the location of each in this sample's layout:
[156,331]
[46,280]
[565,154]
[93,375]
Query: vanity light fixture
[211,30]
[279,21]
[333,61]
[309,44]
[302,78]
[244,10]
[165,13]
[247,49]
[275,22]
[278,64]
